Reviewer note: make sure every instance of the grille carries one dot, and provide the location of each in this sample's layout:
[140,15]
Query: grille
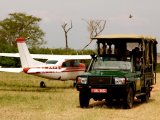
[100,80]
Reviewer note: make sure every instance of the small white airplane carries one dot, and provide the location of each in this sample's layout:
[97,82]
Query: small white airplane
[57,67]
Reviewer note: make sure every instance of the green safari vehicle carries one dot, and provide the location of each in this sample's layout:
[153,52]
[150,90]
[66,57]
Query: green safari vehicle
[124,68]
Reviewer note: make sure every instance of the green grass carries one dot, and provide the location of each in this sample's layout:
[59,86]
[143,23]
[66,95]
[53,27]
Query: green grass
[22,99]
[158,67]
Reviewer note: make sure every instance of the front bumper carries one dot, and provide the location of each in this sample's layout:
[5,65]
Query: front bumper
[114,91]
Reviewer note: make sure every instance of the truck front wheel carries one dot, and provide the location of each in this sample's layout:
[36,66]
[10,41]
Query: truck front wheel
[84,99]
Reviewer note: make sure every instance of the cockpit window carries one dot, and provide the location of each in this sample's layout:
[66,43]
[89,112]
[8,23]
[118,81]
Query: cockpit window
[76,63]
[51,61]
[66,64]
[71,63]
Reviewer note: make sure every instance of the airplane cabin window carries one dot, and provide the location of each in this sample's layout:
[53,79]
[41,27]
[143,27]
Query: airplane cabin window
[66,64]
[76,63]
[51,61]
[71,63]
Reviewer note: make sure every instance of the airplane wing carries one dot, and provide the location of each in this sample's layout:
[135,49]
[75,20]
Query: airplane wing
[9,54]
[49,56]
[15,70]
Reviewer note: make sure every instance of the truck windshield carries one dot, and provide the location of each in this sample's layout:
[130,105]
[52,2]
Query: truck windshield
[112,65]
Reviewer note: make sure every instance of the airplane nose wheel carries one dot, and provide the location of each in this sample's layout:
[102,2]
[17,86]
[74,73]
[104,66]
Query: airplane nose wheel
[42,84]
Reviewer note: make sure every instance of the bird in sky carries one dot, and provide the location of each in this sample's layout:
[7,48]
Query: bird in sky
[130,16]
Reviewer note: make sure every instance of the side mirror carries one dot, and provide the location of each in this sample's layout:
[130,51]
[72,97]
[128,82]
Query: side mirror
[93,56]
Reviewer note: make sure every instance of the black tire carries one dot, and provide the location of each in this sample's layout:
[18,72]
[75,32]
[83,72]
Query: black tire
[84,99]
[128,100]
[74,84]
[109,101]
[145,98]
[42,84]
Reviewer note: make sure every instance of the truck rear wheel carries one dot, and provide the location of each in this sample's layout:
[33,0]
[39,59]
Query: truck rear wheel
[128,100]
[83,99]
[145,98]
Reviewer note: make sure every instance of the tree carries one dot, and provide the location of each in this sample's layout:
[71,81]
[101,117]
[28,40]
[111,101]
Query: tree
[95,27]
[66,30]
[21,25]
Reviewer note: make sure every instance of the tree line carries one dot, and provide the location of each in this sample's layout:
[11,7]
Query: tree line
[27,26]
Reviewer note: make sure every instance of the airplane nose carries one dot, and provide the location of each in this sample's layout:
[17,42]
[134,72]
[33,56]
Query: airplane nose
[25,70]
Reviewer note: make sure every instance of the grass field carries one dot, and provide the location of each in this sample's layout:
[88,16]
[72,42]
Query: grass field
[22,99]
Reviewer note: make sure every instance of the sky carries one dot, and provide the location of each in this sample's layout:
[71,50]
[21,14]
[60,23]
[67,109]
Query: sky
[145,20]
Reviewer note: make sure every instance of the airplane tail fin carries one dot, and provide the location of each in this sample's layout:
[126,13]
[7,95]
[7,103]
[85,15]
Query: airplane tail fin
[25,57]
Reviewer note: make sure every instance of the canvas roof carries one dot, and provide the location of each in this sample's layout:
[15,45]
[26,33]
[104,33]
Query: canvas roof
[125,36]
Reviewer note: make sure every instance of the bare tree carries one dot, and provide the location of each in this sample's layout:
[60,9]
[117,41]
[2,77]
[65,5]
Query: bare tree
[66,30]
[95,27]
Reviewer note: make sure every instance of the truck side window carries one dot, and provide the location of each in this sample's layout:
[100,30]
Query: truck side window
[137,58]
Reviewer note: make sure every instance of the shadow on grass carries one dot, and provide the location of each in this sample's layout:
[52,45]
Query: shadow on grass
[117,104]
[34,89]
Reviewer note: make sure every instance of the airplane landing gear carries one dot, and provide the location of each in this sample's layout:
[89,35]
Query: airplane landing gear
[42,84]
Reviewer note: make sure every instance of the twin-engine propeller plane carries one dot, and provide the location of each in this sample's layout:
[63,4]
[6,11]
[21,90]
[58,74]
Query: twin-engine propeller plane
[57,67]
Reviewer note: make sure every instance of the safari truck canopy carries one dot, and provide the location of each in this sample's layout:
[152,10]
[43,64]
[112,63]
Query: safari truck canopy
[127,42]
[125,36]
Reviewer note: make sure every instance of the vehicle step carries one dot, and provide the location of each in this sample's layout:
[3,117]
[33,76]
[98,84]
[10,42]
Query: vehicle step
[140,94]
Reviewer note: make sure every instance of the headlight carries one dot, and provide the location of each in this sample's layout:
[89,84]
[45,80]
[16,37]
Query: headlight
[119,81]
[82,80]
